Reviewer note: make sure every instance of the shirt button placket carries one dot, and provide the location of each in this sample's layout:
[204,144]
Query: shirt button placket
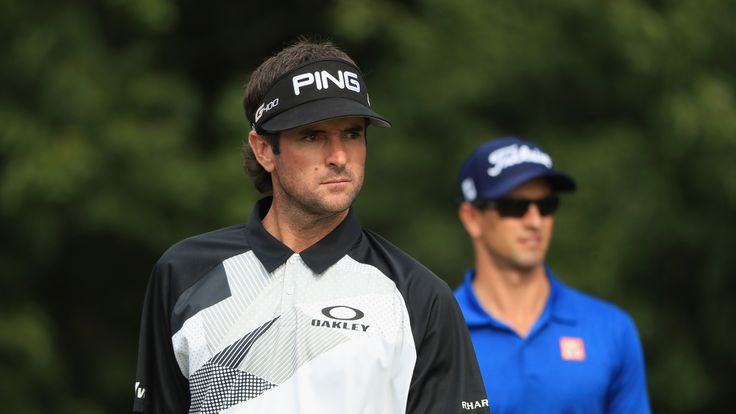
[292,270]
[288,298]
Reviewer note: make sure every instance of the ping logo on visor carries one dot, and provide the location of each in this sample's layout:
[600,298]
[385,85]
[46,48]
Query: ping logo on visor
[322,80]
[315,92]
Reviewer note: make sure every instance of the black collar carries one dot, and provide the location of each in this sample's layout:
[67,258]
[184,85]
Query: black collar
[321,255]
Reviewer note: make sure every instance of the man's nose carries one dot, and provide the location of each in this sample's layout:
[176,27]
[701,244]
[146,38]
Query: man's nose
[336,154]
[532,218]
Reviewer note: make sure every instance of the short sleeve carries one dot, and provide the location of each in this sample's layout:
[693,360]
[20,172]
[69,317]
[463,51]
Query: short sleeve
[446,377]
[628,389]
[160,386]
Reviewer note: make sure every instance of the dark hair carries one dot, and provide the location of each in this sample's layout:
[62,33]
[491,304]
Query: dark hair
[298,53]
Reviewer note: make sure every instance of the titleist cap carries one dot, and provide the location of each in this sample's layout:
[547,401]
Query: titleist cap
[315,92]
[500,165]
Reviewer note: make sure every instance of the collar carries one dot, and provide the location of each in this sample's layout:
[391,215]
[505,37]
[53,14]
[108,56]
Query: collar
[558,308]
[321,255]
[561,307]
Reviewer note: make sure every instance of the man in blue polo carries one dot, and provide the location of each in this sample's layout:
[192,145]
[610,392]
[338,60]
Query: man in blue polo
[542,346]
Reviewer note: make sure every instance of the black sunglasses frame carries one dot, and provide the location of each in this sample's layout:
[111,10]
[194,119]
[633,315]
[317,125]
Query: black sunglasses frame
[518,207]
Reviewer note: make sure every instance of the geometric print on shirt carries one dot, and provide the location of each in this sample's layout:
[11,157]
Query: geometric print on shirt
[219,384]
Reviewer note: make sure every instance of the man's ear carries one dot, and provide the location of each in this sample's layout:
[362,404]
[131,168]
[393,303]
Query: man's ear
[470,217]
[262,150]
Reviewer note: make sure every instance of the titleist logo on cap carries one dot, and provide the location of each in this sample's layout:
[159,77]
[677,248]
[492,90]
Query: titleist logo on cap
[515,154]
[500,165]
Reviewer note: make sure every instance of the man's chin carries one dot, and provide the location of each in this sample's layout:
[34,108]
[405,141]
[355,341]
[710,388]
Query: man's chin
[334,203]
[529,265]
[339,199]
[337,206]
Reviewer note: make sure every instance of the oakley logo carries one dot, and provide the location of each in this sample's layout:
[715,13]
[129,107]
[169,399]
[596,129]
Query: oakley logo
[340,314]
[265,108]
[322,79]
[511,155]
[343,313]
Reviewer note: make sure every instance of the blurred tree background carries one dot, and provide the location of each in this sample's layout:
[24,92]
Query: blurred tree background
[120,129]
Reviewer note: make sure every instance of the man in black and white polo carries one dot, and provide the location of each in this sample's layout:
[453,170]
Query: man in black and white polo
[301,310]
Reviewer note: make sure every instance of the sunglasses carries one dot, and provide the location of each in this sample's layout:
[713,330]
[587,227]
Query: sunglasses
[517,207]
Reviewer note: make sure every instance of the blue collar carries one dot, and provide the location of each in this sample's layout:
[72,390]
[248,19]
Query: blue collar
[557,308]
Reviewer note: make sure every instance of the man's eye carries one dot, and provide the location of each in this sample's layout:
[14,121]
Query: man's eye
[309,137]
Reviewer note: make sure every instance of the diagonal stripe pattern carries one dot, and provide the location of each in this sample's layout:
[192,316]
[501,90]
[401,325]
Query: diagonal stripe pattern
[219,383]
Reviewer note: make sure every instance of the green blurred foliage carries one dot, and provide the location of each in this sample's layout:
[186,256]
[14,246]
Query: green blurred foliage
[120,130]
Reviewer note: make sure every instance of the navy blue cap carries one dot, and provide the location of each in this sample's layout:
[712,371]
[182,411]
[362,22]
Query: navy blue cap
[498,166]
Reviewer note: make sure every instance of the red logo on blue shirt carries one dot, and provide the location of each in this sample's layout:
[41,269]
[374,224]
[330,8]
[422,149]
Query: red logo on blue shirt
[572,349]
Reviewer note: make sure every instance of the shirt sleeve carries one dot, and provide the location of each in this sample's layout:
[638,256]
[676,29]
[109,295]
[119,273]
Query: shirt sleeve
[160,386]
[446,377]
[628,390]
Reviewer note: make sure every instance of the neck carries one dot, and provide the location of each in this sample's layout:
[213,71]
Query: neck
[514,296]
[299,230]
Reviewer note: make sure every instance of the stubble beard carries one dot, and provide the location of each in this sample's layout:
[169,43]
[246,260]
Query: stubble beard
[316,205]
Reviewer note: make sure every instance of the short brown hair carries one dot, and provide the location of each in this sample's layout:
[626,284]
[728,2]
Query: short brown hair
[298,53]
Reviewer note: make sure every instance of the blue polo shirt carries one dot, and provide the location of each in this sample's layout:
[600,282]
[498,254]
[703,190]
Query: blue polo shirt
[582,355]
